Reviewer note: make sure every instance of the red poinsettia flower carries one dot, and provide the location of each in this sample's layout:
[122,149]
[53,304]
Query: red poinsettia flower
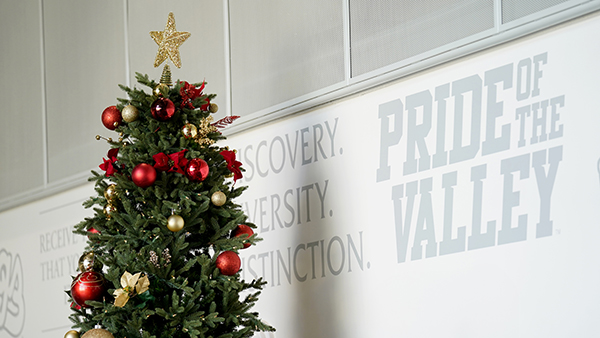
[110,165]
[162,162]
[232,164]
[175,162]
[188,93]
[179,161]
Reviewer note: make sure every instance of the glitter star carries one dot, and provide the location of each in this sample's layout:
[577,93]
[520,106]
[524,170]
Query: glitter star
[168,42]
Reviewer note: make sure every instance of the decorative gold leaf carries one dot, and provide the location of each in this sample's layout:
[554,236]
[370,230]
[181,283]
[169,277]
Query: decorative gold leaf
[121,297]
[142,285]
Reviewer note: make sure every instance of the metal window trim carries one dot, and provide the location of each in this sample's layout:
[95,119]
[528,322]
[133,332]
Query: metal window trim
[484,40]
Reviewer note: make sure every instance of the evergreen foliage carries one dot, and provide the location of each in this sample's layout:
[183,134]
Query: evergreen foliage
[187,295]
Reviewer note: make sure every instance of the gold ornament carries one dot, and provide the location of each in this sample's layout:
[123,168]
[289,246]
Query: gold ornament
[160,88]
[175,223]
[213,108]
[87,262]
[72,334]
[218,198]
[168,42]
[165,77]
[109,209]
[189,130]
[204,129]
[98,137]
[154,258]
[110,193]
[97,333]
[130,113]
[131,284]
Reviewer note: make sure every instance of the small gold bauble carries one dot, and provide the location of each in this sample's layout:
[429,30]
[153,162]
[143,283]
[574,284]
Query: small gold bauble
[110,193]
[97,333]
[109,209]
[86,262]
[175,223]
[72,334]
[213,108]
[130,113]
[189,130]
[160,88]
[218,198]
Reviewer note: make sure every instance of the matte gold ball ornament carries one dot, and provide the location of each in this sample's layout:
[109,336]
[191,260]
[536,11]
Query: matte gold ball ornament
[130,113]
[218,198]
[72,334]
[110,193]
[97,333]
[213,108]
[175,223]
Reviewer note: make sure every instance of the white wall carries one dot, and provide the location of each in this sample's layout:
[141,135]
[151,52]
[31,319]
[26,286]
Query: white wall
[334,252]
[496,240]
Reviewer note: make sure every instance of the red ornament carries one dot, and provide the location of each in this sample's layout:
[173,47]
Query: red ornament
[228,263]
[92,231]
[89,285]
[242,229]
[143,175]
[196,169]
[162,109]
[111,117]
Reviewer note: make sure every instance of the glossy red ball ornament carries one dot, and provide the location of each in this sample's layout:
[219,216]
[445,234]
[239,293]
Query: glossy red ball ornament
[111,117]
[162,109]
[228,263]
[242,229]
[196,169]
[89,285]
[92,231]
[143,175]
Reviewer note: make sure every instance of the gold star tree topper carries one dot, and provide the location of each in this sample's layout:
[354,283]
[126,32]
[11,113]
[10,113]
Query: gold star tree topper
[168,42]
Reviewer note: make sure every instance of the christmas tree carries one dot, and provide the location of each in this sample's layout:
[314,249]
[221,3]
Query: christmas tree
[162,253]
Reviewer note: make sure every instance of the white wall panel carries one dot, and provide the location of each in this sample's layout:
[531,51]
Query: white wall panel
[516,9]
[202,54]
[386,32]
[497,241]
[281,50]
[21,157]
[85,61]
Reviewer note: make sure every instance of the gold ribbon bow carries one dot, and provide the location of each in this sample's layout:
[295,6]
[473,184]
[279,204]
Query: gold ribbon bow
[131,284]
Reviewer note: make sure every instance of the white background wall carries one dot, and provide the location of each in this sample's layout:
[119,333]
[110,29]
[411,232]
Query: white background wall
[338,274]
